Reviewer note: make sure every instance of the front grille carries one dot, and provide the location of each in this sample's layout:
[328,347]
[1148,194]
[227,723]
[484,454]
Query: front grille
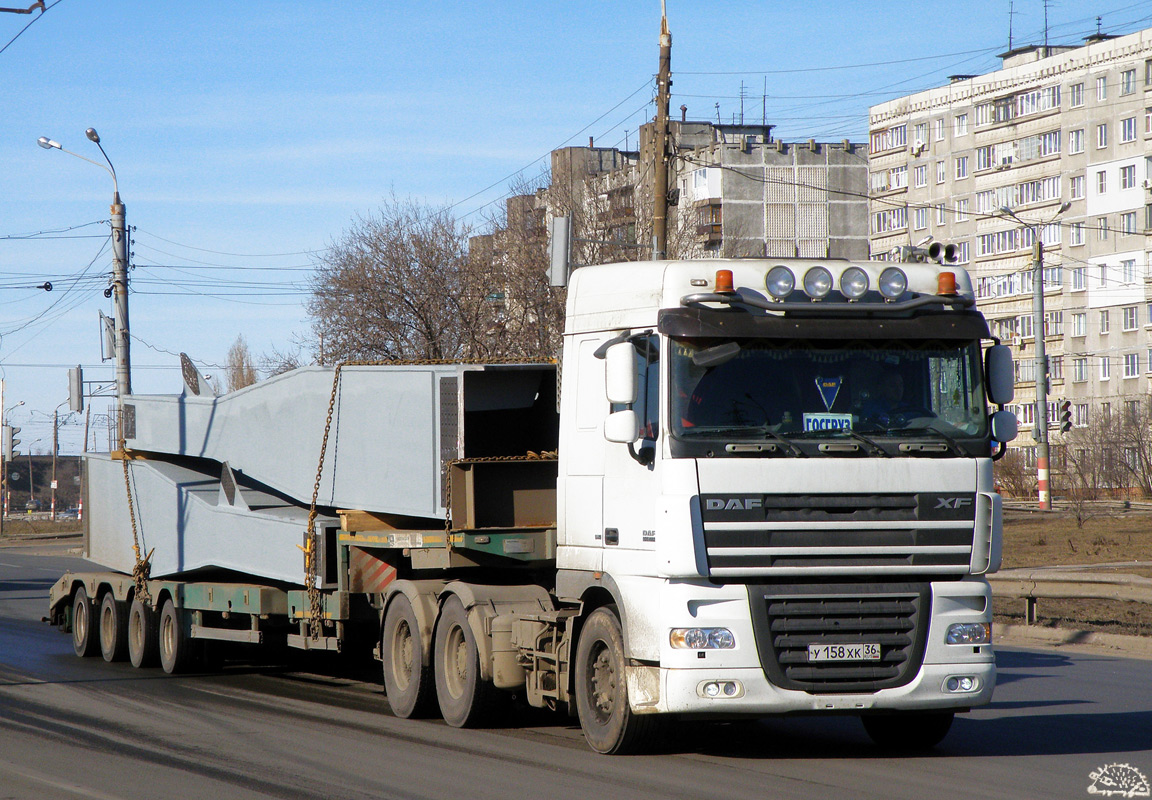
[787,619]
[862,534]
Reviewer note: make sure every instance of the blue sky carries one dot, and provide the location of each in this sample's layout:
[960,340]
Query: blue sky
[248,136]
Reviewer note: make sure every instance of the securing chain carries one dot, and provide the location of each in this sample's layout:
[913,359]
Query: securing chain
[142,569]
[311,557]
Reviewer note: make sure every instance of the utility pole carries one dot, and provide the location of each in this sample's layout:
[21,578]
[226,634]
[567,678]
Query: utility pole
[55,449]
[1041,367]
[660,150]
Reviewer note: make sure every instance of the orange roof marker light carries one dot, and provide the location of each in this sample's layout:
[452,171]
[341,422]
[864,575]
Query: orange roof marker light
[946,284]
[724,281]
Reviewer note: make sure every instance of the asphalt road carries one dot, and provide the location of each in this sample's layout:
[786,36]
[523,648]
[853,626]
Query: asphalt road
[320,728]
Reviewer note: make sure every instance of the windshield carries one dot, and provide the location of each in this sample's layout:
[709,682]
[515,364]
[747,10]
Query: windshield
[797,392]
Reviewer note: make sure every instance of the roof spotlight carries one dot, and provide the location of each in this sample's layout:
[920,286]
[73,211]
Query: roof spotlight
[893,283]
[780,282]
[853,283]
[817,282]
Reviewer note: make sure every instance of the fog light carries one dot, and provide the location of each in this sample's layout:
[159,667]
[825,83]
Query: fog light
[817,282]
[780,282]
[702,639]
[712,689]
[961,684]
[730,689]
[720,690]
[893,283]
[969,633]
[853,283]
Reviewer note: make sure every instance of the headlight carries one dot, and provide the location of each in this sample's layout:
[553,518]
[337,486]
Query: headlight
[702,639]
[817,282]
[780,282]
[853,283]
[893,283]
[969,633]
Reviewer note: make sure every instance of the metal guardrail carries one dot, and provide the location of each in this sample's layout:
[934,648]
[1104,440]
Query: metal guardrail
[1068,584]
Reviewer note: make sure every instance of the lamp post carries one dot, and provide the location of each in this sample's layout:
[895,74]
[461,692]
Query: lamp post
[31,493]
[3,467]
[1044,494]
[119,269]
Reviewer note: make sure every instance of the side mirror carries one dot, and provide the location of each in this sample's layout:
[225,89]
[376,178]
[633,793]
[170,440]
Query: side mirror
[999,374]
[620,373]
[623,427]
[1004,427]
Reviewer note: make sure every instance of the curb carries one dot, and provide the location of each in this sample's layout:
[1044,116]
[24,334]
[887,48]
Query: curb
[1117,643]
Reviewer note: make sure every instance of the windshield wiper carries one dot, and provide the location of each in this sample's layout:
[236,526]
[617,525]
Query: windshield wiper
[753,432]
[952,443]
[830,432]
[792,448]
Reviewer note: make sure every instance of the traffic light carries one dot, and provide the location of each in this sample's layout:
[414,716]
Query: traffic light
[1065,416]
[10,442]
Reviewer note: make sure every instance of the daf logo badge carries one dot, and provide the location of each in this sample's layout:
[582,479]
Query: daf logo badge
[735,504]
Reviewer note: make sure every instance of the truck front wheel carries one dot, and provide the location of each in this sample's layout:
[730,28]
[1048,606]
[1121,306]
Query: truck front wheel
[466,700]
[113,629]
[602,690]
[407,681]
[908,731]
[143,648]
[84,638]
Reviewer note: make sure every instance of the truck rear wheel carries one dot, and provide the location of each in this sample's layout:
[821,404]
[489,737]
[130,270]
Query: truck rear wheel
[113,629]
[85,641]
[602,690]
[908,731]
[407,680]
[143,648]
[466,700]
[175,644]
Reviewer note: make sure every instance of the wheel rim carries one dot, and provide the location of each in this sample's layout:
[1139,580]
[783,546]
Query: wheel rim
[135,632]
[167,637]
[107,627]
[80,623]
[456,661]
[402,656]
[601,681]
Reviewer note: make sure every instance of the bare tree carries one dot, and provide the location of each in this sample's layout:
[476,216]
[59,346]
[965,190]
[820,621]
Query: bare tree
[1014,475]
[277,361]
[241,370]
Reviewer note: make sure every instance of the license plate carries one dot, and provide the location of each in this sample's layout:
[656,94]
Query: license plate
[844,652]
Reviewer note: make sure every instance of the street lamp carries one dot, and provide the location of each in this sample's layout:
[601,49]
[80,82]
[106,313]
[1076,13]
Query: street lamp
[119,265]
[1044,494]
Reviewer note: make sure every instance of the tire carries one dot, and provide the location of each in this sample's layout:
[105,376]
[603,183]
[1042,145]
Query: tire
[608,723]
[143,636]
[175,644]
[407,680]
[85,639]
[113,628]
[908,732]
[465,700]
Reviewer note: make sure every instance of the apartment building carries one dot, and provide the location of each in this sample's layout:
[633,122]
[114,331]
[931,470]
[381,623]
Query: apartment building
[1054,125]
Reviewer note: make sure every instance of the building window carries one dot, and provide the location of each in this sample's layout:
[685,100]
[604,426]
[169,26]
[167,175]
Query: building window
[1053,323]
[1148,120]
[921,134]
[1104,321]
[961,167]
[1128,222]
[1128,317]
[940,217]
[1105,368]
[1079,277]
[962,210]
[1102,88]
[1077,238]
[1128,270]
[1148,217]
[1102,136]
[1101,181]
[941,172]
[1127,81]
[1128,130]
[1076,187]
[1079,369]
[1076,141]
[962,252]
[1131,365]
[1076,94]
[898,178]
[938,124]
[1102,229]
[1080,417]
[920,175]
[1056,372]
[1078,325]
[1128,177]
[961,125]
[919,219]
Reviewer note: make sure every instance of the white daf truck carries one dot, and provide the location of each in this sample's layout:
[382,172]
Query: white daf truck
[758,487]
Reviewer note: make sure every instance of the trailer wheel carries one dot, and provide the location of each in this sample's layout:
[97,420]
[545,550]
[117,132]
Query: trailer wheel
[466,701]
[143,647]
[407,680]
[113,629]
[602,691]
[84,639]
[909,731]
[175,644]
